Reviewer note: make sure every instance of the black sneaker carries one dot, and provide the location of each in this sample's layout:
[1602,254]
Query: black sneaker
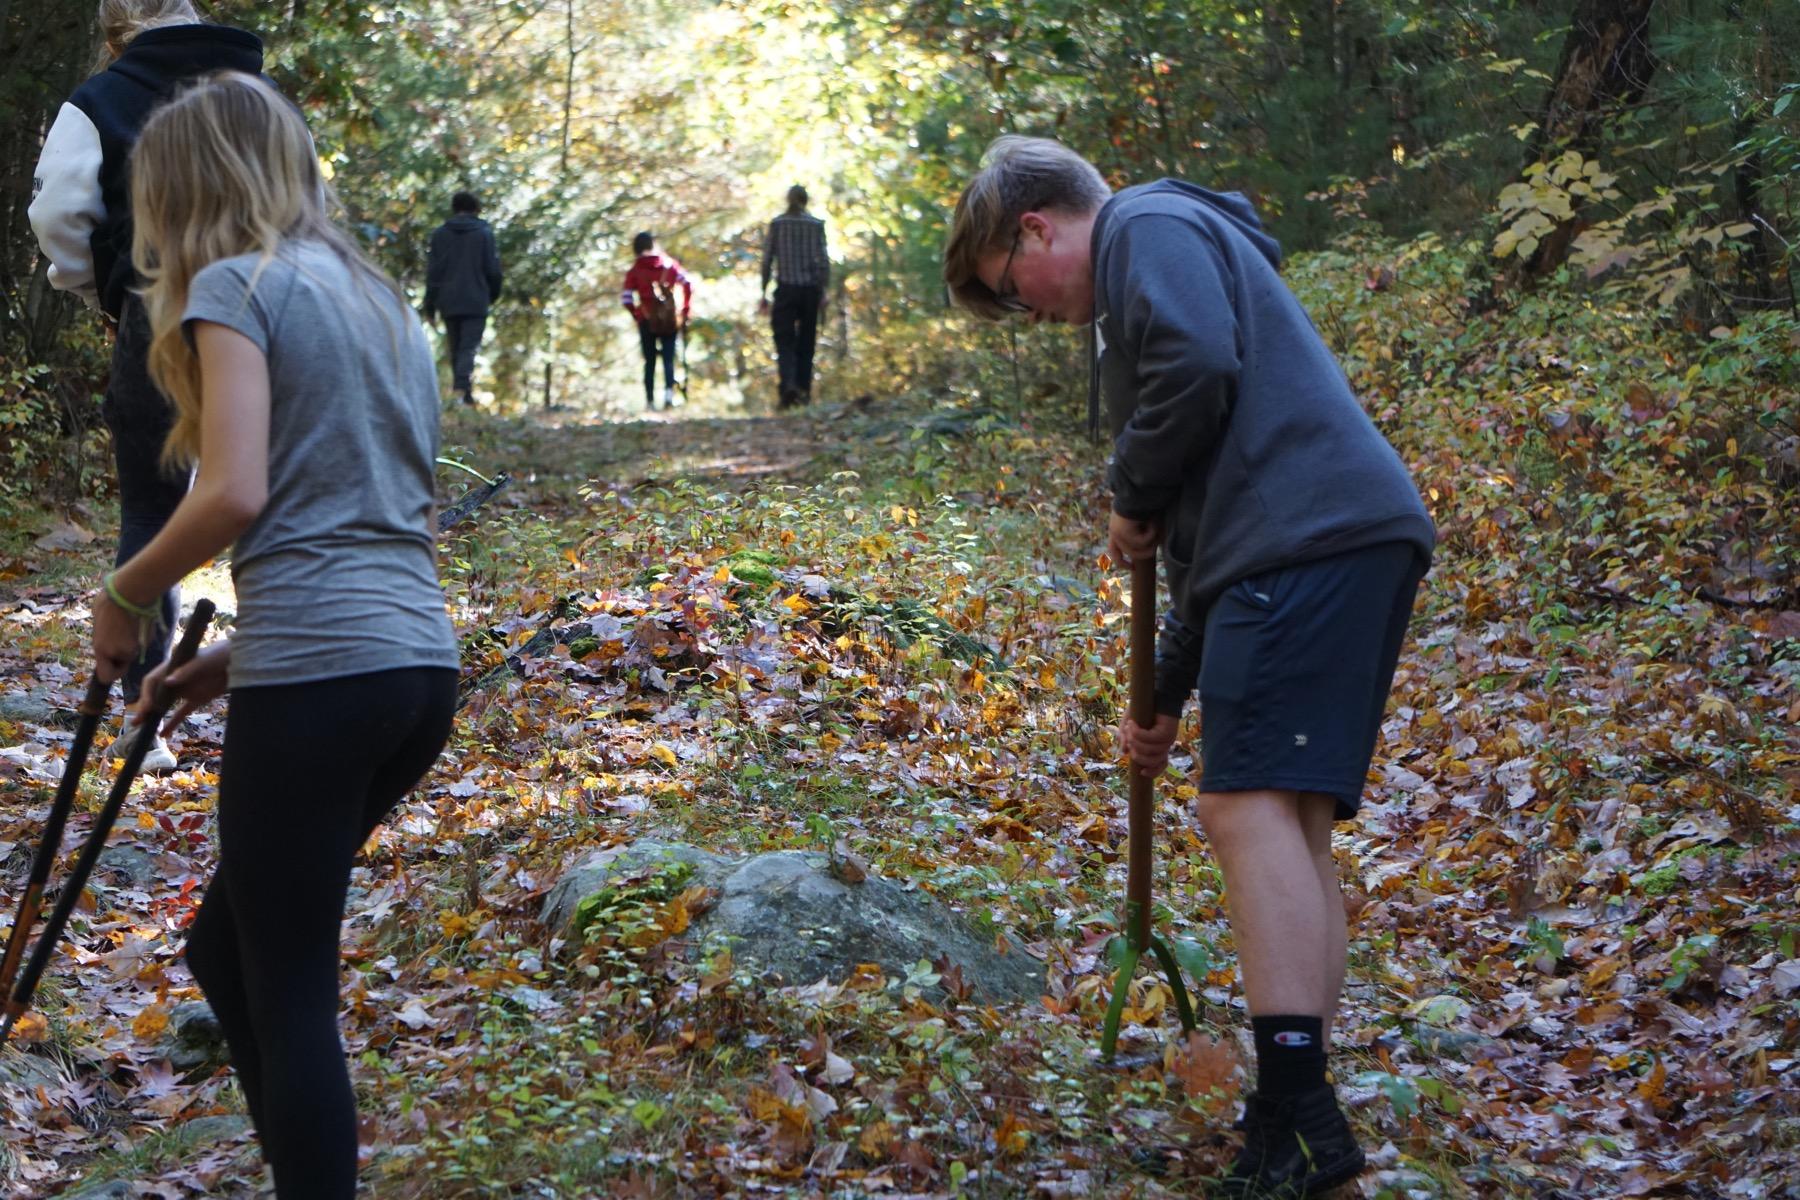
[1294,1146]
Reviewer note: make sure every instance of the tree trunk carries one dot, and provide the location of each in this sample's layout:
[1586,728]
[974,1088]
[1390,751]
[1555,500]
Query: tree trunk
[1758,252]
[1757,255]
[1605,68]
[43,46]
[1606,65]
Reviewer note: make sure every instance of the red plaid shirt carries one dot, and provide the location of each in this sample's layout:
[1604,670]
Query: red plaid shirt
[652,268]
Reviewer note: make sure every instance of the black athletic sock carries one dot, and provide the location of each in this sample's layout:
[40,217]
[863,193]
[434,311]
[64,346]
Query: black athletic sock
[1290,1054]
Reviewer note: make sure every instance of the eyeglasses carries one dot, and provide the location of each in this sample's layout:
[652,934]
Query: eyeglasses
[1006,295]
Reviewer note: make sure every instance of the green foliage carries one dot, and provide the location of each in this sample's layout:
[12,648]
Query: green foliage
[618,910]
[25,406]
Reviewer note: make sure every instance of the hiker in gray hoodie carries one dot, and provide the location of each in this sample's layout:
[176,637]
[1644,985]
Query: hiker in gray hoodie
[462,280]
[1294,543]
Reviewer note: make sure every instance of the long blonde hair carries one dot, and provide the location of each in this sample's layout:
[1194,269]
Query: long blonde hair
[225,168]
[122,20]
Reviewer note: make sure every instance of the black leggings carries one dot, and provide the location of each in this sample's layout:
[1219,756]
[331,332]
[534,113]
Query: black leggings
[309,770]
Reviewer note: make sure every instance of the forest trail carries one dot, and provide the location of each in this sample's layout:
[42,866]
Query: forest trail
[882,629]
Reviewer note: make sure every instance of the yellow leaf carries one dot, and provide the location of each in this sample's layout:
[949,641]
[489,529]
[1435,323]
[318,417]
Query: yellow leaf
[150,1023]
[1012,1137]
[455,924]
[875,1139]
[722,575]
[30,1028]
[663,754]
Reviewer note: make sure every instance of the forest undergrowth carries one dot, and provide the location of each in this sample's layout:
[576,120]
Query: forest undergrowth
[884,628]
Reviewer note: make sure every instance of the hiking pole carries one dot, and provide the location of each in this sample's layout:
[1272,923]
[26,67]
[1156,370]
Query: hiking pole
[684,370]
[19,1000]
[91,708]
[1142,818]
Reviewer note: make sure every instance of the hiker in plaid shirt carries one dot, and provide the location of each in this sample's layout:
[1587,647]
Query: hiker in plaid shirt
[795,251]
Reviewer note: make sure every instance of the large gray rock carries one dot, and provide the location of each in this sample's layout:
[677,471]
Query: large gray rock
[205,1131]
[25,1072]
[129,864]
[194,1041]
[184,1138]
[787,915]
[104,1189]
[35,707]
[623,861]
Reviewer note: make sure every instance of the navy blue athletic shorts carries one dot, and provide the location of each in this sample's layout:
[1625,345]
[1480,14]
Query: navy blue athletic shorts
[1296,669]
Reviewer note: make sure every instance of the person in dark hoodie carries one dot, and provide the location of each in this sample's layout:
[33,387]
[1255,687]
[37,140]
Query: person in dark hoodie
[81,214]
[462,281]
[1294,543]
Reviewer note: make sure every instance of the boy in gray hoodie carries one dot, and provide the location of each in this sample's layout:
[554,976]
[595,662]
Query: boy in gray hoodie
[1294,544]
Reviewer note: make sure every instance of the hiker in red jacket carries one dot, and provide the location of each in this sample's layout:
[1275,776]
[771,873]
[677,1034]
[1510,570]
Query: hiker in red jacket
[650,296]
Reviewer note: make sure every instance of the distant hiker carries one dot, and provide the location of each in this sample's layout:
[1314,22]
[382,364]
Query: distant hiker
[81,214]
[649,295]
[304,388]
[795,251]
[1294,543]
[462,280]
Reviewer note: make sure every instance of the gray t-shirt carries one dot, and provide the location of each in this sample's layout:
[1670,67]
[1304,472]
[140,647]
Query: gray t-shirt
[336,576]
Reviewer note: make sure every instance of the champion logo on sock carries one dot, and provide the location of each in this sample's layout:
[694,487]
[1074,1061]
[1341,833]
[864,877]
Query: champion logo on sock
[1293,1037]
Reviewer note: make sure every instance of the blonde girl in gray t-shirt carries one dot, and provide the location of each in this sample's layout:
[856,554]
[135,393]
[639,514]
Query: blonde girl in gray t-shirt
[305,393]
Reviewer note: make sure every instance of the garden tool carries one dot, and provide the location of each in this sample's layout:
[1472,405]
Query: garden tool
[18,999]
[91,708]
[1141,819]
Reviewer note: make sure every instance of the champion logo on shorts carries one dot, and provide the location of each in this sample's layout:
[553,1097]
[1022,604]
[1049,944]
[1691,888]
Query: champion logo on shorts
[1299,739]
[1293,1037]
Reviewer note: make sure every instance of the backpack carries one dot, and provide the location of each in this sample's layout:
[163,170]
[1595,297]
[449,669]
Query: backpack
[660,314]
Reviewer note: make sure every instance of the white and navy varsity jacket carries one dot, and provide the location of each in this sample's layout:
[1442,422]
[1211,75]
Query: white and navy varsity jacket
[81,191]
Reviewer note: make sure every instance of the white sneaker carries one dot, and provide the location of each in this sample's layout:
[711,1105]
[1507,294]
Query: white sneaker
[668,397]
[157,759]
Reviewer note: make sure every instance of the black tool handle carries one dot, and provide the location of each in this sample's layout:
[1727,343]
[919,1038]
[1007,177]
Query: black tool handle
[91,708]
[26,986]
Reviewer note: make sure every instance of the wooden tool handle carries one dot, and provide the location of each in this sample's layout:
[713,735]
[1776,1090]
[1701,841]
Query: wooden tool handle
[1143,641]
[1141,813]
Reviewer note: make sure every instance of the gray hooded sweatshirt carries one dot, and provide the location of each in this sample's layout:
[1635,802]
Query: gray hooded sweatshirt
[1233,423]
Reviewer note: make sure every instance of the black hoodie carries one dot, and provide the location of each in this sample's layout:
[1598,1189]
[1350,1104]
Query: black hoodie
[94,134]
[1234,425]
[462,271]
